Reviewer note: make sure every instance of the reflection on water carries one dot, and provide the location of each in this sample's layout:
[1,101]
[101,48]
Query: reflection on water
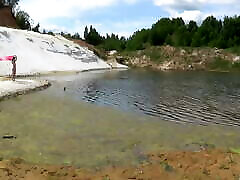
[57,126]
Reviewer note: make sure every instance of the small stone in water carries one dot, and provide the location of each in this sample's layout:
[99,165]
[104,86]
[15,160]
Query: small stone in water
[9,137]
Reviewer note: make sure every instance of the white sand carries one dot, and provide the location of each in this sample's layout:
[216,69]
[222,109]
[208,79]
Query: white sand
[41,53]
[9,87]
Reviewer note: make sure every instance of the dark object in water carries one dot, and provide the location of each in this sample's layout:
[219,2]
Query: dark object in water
[124,77]
[9,137]
[64,88]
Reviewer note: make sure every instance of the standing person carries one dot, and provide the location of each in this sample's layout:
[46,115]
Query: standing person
[14,68]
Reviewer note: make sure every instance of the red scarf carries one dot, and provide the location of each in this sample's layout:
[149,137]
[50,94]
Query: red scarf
[6,58]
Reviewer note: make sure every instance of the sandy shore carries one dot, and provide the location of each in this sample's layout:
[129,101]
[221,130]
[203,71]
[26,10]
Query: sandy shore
[207,164]
[9,88]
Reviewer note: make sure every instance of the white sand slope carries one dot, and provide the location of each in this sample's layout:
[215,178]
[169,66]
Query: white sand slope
[40,53]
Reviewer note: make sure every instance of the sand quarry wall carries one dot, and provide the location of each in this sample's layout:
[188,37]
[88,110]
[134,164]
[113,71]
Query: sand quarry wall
[42,53]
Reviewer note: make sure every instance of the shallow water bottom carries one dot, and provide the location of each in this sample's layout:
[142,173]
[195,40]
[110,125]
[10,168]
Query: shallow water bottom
[55,130]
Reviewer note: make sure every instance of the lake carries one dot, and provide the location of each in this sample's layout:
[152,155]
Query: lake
[191,97]
[115,117]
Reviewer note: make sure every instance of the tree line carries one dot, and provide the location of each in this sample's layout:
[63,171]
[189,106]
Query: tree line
[175,32]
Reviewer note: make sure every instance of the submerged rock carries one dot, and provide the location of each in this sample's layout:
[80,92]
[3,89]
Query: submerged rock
[9,137]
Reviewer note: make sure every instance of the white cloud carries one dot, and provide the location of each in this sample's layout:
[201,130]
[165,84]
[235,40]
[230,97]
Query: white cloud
[125,28]
[122,28]
[198,9]
[44,9]
[190,3]
[195,15]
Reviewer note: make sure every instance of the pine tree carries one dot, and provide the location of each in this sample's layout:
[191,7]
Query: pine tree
[23,20]
[36,28]
[86,33]
[93,37]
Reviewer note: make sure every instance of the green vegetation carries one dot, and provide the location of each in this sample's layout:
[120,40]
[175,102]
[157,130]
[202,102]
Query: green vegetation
[235,50]
[189,38]
[36,28]
[219,64]
[235,150]
[93,37]
[107,43]
[23,20]
[154,53]
[174,32]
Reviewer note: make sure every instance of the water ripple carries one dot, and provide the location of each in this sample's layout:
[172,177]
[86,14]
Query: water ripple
[177,98]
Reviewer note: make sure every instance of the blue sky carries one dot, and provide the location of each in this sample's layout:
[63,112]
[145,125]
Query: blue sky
[122,17]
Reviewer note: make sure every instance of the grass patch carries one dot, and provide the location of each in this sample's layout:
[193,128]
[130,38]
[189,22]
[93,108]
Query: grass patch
[235,150]
[219,65]
[155,54]
[234,50]
[223,65]
[130,53]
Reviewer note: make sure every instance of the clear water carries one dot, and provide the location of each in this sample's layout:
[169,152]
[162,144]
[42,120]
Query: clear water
[117,117]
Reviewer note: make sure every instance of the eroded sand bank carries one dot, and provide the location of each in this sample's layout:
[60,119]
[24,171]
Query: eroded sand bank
[9,88]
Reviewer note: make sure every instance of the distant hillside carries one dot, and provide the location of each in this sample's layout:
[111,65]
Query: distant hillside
[6,18]
[181,58]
